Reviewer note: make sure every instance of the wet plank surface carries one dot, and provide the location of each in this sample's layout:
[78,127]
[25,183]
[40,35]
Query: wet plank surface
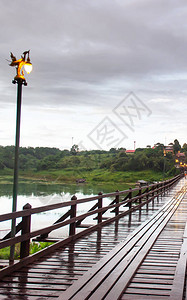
[155,277]
[52,275]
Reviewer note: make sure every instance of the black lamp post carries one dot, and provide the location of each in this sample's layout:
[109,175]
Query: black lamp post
[20,80]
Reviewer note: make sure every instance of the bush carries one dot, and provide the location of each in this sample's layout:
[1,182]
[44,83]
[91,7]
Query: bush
[34,247]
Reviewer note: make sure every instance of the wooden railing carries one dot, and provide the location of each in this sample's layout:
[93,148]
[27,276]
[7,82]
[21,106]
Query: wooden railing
[131,199]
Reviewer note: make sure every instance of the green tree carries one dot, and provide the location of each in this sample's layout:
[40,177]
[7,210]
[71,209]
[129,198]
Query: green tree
[176,146]
[74,149]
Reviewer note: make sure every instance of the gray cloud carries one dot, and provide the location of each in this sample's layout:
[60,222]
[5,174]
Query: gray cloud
[93,53]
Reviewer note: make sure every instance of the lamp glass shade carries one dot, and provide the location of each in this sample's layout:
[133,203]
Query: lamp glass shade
[28,67]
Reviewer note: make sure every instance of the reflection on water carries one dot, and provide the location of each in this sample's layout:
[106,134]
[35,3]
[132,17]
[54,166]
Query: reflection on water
[38,189]
[40,194]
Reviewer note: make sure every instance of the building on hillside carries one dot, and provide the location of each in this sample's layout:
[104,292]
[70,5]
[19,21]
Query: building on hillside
[169,149]
[130,151]
[180,160]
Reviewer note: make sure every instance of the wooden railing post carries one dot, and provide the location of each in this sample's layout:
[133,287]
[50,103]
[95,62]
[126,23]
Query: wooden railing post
[139,194]
[140,201]
[130,203]
[72,228]
[153,196]
[158,191]
[164,187]
[100,204]
[117,202]
[161,189]
[168,187]
[147,199]
[26,227]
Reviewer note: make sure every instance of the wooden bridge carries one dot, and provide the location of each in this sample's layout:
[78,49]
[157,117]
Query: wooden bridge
[136,248]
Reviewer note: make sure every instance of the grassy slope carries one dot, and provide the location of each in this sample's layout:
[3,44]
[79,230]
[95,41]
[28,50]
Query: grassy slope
[94,176]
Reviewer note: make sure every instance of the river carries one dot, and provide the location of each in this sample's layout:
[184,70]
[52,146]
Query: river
[41,194]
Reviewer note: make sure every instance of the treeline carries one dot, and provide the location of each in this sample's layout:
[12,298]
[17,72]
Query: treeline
[45,158]
[142,159]
[30,158]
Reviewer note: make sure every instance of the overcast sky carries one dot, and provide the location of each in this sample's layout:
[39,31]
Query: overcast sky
[105,73]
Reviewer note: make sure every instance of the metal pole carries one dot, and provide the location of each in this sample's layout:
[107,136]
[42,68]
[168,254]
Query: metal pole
[16,165]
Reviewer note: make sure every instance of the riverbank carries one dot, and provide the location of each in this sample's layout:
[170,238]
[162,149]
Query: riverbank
[94,176]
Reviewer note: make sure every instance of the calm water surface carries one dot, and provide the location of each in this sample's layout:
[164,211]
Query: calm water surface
[41,194]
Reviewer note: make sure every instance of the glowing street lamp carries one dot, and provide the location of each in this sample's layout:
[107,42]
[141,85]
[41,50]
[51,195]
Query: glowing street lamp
[20,80]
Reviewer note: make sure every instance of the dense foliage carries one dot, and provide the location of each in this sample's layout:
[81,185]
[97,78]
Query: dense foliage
[44,158]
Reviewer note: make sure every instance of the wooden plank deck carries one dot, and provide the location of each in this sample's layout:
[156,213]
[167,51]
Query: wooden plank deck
[162,273]
[55,275]
[111,277]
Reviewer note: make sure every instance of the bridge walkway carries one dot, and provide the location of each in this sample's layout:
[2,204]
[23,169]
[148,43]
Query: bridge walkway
[162,273]
[54,276]
[149,264]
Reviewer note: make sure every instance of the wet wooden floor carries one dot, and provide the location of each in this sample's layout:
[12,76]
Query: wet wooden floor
[51,276]
[156,278]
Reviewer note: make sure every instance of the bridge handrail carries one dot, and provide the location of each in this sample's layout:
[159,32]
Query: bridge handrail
[31,211]
[149,190]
